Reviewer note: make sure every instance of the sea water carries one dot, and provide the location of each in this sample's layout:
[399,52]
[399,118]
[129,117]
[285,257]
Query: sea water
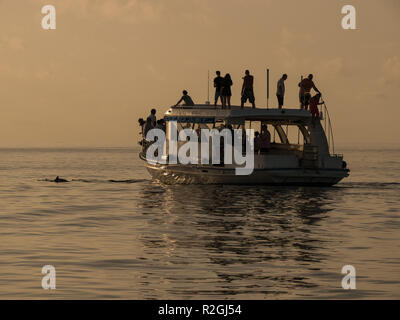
[112,232]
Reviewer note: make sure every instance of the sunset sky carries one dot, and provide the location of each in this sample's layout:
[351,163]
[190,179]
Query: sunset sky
[111,61]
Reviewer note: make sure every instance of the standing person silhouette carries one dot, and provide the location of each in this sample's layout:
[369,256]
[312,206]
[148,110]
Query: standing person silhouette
[153,118]
[226,91]
[305,91]
[218,83]
[247,90]
[280,91]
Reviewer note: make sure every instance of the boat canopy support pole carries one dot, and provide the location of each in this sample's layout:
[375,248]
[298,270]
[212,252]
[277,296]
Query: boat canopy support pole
[281,133]
[305,132]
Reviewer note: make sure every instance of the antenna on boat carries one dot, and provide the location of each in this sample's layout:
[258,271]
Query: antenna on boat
[301,89]
[208,87]
[267,88]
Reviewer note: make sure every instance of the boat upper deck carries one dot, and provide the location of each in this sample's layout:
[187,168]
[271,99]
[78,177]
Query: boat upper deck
[202,113]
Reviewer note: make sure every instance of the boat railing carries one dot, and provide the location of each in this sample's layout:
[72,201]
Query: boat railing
[328,128]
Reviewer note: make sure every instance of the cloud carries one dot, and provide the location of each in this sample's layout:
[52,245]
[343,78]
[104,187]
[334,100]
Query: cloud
[331,67]
[136,11]
[13,72]
[125,11]
[283,50]
[155,73]
[388,80]
[129,11]
[42,75]
[291,48]
[390,76]
[391,70]
[14,43]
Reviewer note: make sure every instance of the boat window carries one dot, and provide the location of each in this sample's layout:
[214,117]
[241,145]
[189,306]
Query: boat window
[282,133]
[293,134]
[248,125]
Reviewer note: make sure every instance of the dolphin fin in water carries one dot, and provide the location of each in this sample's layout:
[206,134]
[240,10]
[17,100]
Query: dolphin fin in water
[58,179]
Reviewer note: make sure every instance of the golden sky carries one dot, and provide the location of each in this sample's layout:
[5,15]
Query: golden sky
[110,61]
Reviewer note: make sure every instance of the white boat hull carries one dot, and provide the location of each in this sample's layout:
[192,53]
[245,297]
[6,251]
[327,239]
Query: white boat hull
[186,174]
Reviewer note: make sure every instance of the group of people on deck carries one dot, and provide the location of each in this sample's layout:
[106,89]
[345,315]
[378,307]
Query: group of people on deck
[151,123]
[262,142]
[223,92]
[306,100]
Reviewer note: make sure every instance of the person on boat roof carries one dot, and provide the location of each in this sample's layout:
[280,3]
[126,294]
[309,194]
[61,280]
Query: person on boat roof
[305,88]
[247,89]
[218,84]
[280,90]
[186,99]
[226,91]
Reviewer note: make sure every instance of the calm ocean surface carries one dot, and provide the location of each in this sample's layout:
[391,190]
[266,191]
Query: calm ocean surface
[113,233]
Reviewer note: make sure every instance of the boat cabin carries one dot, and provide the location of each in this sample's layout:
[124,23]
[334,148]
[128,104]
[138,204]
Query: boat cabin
[292,130]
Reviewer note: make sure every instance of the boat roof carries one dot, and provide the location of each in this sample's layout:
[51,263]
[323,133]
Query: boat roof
[210,113]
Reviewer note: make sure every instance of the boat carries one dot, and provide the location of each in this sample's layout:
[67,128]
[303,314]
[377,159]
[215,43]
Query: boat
[304,157]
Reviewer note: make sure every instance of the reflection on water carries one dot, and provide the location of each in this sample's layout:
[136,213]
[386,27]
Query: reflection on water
[113,233]
[250,228]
